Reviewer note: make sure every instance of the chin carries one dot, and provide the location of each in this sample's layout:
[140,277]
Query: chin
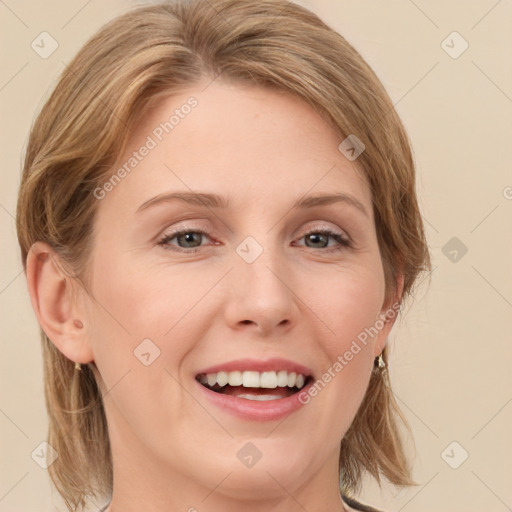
[262,468]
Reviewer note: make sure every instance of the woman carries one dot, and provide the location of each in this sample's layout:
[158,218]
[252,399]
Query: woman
[218,223]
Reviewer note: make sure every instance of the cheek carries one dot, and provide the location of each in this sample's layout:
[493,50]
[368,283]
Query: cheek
[141,332]
[350,303]
[350,307]
[139,301]
[134,326]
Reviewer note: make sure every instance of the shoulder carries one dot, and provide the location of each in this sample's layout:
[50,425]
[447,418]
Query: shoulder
[356,506]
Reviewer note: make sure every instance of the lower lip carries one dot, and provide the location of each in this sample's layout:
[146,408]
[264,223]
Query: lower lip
[256,410]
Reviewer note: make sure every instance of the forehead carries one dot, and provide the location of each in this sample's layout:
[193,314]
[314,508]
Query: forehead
[235,140]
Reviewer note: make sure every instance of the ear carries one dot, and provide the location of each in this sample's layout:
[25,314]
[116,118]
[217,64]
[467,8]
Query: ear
[54,300]
[388,314]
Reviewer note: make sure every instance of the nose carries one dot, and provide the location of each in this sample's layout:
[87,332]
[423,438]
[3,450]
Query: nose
[261,296]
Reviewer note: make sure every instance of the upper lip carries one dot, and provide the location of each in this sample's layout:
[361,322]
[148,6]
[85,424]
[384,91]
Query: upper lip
[258,365]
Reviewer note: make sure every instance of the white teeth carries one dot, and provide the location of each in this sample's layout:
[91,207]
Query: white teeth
[235,378]
[282,378]
[222,378]
[261,398]
[268,380]
[252,379]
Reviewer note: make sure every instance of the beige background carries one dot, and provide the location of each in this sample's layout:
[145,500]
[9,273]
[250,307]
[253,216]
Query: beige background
[452,353]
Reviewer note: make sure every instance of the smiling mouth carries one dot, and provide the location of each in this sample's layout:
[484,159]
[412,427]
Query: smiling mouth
[252,385]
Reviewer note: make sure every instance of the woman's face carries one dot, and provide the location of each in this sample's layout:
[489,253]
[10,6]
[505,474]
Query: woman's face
[264,290]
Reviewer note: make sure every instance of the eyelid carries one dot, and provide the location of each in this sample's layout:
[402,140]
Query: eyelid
[330,227]
[344,241]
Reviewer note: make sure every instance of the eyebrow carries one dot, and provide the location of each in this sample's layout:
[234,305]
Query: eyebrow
[220,202]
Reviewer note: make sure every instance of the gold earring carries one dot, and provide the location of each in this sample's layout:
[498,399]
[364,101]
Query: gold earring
[78,367]
[379,364]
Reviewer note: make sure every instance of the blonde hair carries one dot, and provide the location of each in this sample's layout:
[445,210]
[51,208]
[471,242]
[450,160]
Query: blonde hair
[159,50]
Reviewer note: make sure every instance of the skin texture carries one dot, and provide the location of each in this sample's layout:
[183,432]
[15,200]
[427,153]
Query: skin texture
[299,300]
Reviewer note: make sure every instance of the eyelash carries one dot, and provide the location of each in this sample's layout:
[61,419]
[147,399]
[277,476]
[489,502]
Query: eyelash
[344,243]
